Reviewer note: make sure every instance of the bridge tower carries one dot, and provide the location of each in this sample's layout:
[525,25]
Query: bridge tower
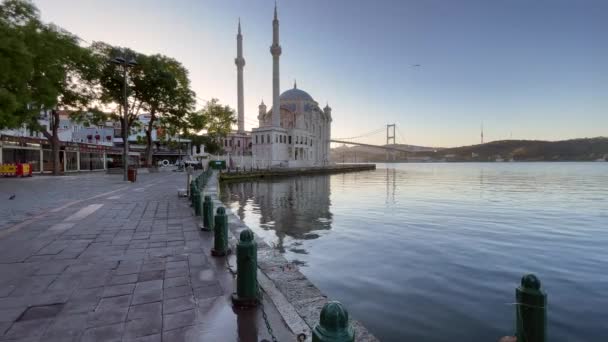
[390,137]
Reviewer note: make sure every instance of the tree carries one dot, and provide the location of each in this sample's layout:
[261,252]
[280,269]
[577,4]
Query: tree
[59,73]
[216,119]
[164,89]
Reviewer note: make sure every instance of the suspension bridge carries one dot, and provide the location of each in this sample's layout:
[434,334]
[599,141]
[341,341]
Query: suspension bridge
[392,147]
[391,139]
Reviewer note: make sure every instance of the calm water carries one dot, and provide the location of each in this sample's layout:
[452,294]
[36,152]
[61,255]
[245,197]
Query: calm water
[433,252]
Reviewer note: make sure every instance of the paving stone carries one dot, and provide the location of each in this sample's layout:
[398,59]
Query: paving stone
[123,279]
[112,302]
[143,327]
[145,311]
[107,315]
[106,333]
[66,328]
[175,281]
[27,329]
[149,285]
[118,290]
[10,314]
[179,320]
[210,291]
[178,304]
[149,338]
[177,272]
[147,296]
[178,291]
[151,275]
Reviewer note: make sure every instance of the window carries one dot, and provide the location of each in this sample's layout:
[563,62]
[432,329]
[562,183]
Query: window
[256,139]
[297,139]
[276,138]
[310,142]
[225,143]
[290,140]
[230,143]
[238,143]
[262,138]
[306,141]
[268,138]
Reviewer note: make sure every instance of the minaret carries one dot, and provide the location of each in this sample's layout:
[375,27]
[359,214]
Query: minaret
[275,51]
[240,63]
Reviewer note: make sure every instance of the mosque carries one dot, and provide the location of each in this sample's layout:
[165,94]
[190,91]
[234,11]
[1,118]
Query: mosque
[295,131]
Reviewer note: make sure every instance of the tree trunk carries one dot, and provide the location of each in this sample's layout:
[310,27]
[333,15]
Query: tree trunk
[149,151]
[54,141]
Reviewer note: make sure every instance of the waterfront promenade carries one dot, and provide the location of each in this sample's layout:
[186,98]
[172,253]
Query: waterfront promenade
[91,258]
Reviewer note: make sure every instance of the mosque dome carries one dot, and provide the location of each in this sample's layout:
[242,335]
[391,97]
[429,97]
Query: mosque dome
[295,94]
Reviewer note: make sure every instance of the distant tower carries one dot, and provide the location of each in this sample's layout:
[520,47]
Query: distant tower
[275,51]
[240,63]
[482,132]
[261,113]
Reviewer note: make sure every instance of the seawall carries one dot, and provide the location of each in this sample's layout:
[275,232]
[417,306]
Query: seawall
[285,172]
[297,299]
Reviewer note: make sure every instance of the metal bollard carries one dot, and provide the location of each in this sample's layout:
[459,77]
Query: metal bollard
[191,193]
[220,243]
[333,325]
[197,203]
[246,295]
[531,310]
[207,214]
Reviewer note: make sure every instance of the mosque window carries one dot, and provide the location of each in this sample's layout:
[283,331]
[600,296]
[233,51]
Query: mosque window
[262,138]
[268,138]
[225,143]
[290,140]
[238,143]
[306,141]
[276,138]
[230,143]
[256,139]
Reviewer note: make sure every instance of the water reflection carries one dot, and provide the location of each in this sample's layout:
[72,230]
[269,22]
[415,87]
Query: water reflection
[296,208]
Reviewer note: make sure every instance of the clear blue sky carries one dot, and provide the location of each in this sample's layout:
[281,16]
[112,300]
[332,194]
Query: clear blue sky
[527,69]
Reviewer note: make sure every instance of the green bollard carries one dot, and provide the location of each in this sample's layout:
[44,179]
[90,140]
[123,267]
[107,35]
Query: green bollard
[197,203]
[246,295]
[207,214]
[531,310]
[192,187]
[333,325]
[220,244]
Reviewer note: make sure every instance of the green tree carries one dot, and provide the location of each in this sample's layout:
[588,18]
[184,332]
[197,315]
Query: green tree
[218,119]
[60,73]
[164,89]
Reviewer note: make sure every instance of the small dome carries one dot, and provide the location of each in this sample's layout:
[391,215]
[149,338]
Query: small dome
[295,94]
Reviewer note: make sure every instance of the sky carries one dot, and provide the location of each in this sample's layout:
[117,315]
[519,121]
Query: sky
[525,69]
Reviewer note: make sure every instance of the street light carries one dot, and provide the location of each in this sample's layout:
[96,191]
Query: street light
[126,64]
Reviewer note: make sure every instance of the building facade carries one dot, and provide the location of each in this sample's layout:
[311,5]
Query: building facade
[295,132]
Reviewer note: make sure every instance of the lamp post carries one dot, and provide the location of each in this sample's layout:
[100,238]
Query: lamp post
[126,64]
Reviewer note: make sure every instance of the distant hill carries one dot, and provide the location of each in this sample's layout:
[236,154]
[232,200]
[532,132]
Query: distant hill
[588,149]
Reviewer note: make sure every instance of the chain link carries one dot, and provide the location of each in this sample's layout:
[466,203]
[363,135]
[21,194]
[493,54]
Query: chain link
[261,301]
[265,316]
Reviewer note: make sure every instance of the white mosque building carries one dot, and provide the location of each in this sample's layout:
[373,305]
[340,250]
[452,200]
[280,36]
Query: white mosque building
[295,132]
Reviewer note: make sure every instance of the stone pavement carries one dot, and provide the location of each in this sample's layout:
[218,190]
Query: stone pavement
[119,263]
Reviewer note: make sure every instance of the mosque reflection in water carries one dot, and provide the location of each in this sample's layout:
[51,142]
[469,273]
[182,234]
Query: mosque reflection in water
[294,208]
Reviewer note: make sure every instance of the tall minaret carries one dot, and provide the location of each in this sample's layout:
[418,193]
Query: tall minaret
[240,63]
[275,51]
